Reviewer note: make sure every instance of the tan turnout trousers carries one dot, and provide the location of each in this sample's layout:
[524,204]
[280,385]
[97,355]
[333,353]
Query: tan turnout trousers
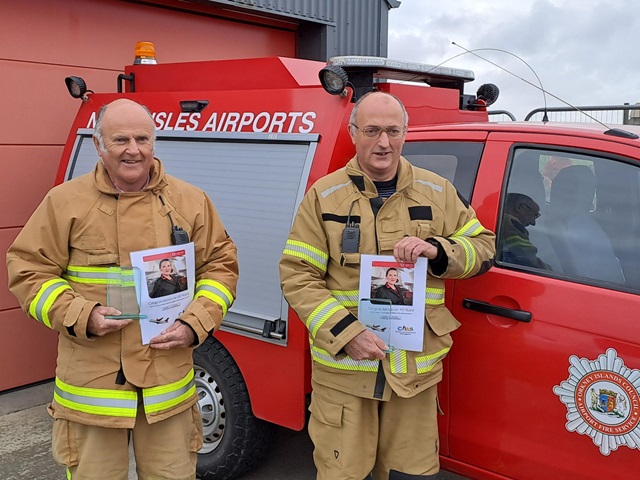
[166,450]
[355,436]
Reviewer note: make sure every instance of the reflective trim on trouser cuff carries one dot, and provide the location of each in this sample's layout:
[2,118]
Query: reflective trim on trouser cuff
[50,290]
[164,397]
[324,358]
[216,292]
[426,363]
[96,401]
[308,253]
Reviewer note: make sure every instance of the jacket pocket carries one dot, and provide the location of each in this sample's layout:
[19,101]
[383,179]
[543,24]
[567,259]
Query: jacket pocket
[350,259]
[441,321]
[326,412]
[425,230]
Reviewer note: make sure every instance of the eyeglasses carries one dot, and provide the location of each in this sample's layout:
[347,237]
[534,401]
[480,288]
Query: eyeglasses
[375,132]
[536,214]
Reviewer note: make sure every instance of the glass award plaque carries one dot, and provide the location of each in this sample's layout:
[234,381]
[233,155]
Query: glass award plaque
[375,314]
[123,292]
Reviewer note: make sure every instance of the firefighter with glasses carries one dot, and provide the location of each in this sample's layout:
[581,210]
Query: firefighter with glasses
[373,412]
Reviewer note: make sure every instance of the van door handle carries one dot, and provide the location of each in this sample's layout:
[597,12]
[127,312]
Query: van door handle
[478,306]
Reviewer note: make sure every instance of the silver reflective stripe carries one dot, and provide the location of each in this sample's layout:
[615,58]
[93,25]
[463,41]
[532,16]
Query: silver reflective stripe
[305,251]
[330,190]
[347,298]
[99,275]
[161,401]
[398,361]
[320,315]
[434,296]
[96,401]
[473,228]
[427,362]
[218,292]
[324,358]
[437,188]
[45,297]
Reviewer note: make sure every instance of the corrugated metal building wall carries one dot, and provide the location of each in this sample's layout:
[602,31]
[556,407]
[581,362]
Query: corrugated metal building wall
[330,27]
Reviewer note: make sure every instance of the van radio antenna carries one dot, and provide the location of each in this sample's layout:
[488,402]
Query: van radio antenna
[545,117]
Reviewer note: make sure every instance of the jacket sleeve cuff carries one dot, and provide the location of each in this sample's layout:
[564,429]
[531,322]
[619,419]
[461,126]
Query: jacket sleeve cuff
[199,319]
[439,264]
[339,335]
[77,316]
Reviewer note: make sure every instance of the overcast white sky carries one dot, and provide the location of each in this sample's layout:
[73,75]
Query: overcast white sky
[586,52]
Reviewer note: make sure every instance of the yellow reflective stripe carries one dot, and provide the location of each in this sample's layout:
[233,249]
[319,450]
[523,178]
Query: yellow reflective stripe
[398,361]
[309,253]
[321,314]
[100,275]
[96,401]
[164,397]
[517,241]
[49,291]
[216,292]
[472,228]
[426,363]
[324,358]
[434,296]
[68,474]
[469,255]
[346,298]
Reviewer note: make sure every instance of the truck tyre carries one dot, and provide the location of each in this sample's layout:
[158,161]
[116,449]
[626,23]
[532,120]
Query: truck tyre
[235,441]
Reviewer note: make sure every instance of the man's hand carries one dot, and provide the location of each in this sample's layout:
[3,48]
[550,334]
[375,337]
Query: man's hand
[410,248]
[99,326]
[366,346]
[177,335]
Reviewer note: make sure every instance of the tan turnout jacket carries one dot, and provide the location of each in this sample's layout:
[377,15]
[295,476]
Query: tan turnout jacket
[320,282]
[59,266]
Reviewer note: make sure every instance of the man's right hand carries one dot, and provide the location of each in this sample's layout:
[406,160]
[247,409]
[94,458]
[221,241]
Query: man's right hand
[99,326]
[366,346]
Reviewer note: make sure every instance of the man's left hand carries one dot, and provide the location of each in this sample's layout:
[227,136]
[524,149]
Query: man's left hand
[177,335]
[410,248]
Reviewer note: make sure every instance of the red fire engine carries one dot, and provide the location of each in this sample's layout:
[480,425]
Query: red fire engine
[543,366]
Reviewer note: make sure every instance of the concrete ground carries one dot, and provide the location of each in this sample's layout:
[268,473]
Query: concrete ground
[25,444]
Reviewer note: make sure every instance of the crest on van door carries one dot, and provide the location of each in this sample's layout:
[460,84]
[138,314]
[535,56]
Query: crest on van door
[603,401]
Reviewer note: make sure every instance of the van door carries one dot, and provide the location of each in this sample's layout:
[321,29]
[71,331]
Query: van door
[544,371]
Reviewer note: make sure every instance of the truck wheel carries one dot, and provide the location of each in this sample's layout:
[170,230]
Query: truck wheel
[235,441]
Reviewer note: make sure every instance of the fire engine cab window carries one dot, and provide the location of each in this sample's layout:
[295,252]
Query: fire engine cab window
[572,215]
[456,161]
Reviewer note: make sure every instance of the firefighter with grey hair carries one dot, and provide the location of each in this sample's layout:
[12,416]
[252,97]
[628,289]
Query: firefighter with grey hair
[373,411]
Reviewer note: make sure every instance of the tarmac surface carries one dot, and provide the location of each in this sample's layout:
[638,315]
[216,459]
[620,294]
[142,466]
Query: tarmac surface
[25,444]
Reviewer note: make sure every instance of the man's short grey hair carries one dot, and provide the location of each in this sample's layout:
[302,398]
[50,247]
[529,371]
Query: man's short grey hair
[354,112]
[97,133]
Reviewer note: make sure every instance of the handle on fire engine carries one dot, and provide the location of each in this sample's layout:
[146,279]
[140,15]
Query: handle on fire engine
[478,306]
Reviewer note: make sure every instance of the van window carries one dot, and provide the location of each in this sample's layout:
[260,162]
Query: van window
[456,161]
[572,215]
